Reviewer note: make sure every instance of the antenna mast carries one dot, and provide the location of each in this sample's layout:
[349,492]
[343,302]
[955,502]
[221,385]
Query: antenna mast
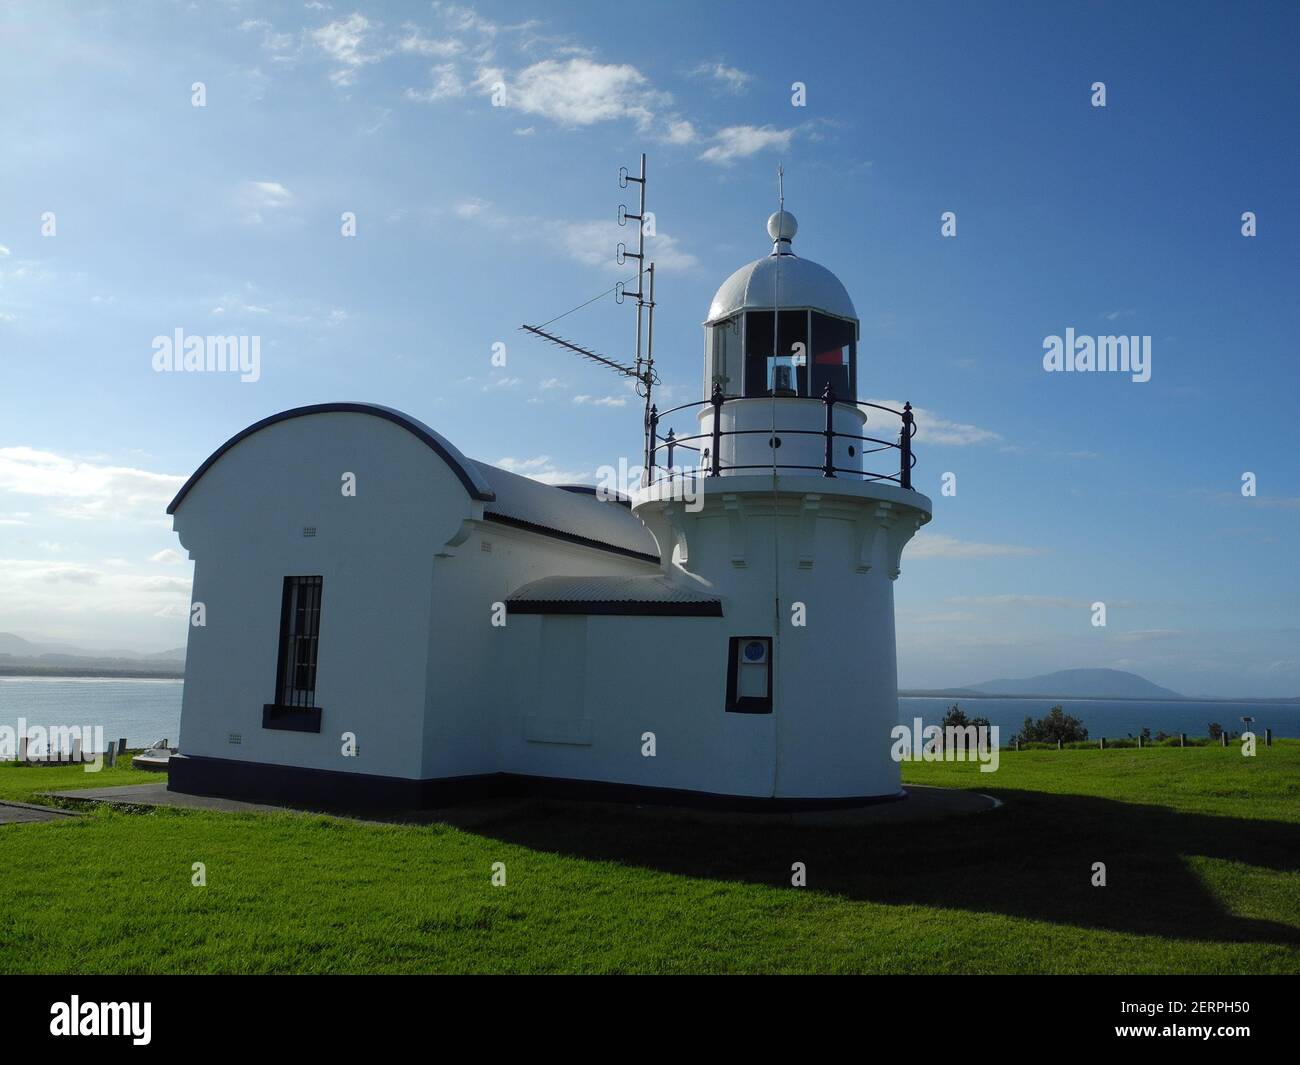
[643,370]
[645,301]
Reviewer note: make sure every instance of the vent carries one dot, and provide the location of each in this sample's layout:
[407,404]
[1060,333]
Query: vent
[309,530]
[235,737]
[485,546]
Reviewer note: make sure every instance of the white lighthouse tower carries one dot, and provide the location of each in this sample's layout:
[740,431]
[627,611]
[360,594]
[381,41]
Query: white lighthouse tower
[795,515]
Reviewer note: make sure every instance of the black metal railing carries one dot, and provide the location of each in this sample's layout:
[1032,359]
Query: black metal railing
[711,460]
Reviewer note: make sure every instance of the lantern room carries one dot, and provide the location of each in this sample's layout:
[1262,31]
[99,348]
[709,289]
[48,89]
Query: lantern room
[781,326]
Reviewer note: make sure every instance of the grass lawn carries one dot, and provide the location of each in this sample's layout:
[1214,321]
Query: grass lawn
[1201,845]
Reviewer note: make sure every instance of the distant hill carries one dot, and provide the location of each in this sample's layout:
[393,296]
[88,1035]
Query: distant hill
[1076,684]
[22,657]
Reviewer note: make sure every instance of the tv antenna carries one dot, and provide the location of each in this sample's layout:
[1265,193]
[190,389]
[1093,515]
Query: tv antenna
[642,370]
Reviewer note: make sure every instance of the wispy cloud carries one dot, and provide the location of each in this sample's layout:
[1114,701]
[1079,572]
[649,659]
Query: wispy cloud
[729,79]
[85,490]
[930,545]
[601,401]
[577,92]
[262,200]
[740,142]
[347,43]
[542,468]
[931,427]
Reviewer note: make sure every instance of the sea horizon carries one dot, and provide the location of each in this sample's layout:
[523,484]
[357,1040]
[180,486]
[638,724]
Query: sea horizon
[146,710]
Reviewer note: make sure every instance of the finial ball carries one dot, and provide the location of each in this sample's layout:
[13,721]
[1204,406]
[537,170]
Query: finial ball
[782,226]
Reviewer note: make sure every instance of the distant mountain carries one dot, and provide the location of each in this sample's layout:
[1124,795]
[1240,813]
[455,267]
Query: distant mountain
[1077,684]
[20,647]
[19,656]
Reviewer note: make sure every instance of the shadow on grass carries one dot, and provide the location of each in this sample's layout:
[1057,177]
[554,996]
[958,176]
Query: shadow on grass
[1032,858]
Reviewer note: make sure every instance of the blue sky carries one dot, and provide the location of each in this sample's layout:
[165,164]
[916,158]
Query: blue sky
[1071,488]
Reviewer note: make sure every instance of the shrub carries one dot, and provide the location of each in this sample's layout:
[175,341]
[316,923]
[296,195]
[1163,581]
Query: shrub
[1057,725]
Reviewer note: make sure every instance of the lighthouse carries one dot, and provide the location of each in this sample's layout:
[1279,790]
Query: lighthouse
[441,627]
[800,505]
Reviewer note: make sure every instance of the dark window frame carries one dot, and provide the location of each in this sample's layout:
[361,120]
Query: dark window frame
[297,657]
[747,704]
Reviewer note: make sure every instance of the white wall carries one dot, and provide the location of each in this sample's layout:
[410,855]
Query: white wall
[242,524]
[481,683]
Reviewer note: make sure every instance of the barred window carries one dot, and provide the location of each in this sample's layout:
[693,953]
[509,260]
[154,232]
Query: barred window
[299,635]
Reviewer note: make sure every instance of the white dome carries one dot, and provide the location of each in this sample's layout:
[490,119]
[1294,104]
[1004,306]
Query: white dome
[797,282]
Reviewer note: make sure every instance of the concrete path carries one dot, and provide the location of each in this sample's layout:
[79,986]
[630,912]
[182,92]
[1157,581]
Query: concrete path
[158,795]
[922,804]
[21,813]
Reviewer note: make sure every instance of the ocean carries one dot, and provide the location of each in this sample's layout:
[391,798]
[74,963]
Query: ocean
[148,710]
[144,711]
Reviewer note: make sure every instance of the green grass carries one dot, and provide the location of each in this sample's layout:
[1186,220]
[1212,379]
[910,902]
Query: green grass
[1202,849]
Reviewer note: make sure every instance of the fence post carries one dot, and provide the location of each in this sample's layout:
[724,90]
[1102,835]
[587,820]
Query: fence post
[1102,741]
[1182,739]
[905,445]
[716,400]
[1059,745]
[1139,741]
[1268,737]
[672,443]
[828,398]
[22,748]
[1224,737]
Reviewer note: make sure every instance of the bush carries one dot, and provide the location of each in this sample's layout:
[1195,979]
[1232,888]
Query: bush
[1057,725]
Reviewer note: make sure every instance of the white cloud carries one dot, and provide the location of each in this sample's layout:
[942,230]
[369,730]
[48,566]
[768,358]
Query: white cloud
[740,142]
[58,589]
[578,92]
[262,199]
[541,468]
[928,545]
[1015,600]
[415,43]
[444,84]
[168,556]
[601,401]
[593,244]
[83,490]
[728,78]
[471,208]
[680,131]
[931,428]
[345,41]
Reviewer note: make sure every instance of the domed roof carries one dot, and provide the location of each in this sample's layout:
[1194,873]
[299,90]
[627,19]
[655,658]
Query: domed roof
[797,282]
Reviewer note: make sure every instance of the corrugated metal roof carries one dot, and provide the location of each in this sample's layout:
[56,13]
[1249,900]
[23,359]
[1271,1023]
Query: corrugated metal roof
[580,517]
[612,595]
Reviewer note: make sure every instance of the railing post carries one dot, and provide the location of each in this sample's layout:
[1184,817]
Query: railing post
[828,398]
[652,442]
[716,399]
[671,439]
[905,459]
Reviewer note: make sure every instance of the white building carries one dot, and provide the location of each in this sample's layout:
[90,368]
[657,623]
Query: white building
[449,628]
